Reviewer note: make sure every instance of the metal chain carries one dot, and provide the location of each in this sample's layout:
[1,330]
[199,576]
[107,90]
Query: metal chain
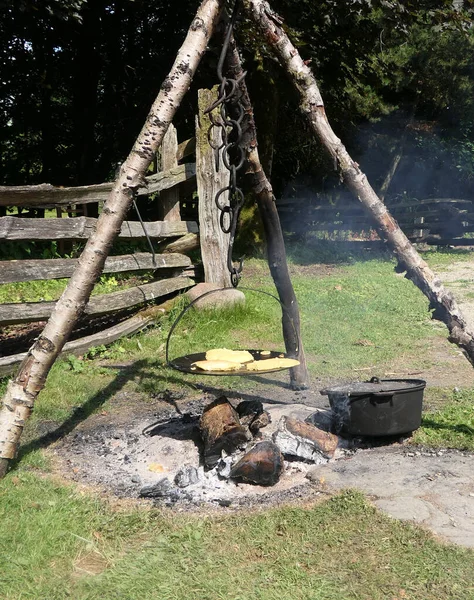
[233,154]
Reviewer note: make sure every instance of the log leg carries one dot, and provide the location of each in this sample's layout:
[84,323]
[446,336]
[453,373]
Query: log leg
[263,191]
[22,392]
[446,307]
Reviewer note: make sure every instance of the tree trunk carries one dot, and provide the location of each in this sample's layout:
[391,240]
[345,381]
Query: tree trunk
[211,176]
[22,391]
[446,307]
[276,252]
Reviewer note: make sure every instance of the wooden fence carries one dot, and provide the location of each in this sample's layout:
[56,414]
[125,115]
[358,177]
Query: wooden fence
[172,268]
[438,221]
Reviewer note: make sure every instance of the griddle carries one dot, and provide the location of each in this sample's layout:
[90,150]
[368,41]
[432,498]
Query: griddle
[184,364]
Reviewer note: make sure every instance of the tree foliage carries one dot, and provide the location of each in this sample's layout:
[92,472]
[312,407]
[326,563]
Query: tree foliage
[78,76]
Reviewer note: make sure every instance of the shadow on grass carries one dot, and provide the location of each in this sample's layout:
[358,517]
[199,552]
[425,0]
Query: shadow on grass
[461,428]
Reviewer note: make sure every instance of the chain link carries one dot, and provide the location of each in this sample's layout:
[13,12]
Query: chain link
[230,148]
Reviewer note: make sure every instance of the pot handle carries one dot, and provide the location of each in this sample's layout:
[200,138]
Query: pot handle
[380,394]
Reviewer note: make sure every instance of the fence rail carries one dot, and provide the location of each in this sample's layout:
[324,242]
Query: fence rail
[80,228]
[173,269]
[12,271]
[432,220]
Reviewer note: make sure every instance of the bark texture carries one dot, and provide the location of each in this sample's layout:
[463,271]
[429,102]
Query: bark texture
[446,308]
[22,391]
[220,430]
[273,233]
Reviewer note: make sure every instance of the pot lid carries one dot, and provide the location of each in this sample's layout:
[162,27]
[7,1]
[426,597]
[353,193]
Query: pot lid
[375,386]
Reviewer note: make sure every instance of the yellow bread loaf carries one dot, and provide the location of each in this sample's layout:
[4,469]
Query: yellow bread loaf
[217,365]
[272,363]
[238,356]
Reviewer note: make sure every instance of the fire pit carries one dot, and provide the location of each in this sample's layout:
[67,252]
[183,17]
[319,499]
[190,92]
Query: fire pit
[192,452]
[207,451]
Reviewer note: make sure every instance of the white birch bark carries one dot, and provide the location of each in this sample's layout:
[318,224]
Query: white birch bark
[22,391]
[446,308]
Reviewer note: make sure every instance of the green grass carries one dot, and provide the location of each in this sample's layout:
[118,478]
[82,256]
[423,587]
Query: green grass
[361,316]
[61,544]
[54,537]
[444,257]
[450,422]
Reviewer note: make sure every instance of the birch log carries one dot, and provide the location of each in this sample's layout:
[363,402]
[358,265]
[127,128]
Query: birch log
[22,391]
[446,308]
[273,233]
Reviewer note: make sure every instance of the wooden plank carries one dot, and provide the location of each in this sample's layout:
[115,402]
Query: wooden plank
[80,228]
[290,202]
[49,196]
[169,199]
[56,268]
[128,327]
[28,312]
[186,149]
[185,244]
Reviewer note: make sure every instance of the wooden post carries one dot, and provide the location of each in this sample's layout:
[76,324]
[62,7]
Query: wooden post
[169,199]
[211,176]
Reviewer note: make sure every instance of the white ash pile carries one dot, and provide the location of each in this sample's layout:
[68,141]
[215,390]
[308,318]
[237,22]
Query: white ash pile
[237,455]
[201,451]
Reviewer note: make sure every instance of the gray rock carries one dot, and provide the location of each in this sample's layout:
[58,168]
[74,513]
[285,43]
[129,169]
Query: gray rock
[222,299]
[187,475]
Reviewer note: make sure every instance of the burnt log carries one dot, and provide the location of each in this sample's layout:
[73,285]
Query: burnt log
[262,465]
[304,440]
[221,431]
[252,415]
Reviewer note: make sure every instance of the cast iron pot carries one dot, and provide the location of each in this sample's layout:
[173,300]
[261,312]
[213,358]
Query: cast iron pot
[377,407]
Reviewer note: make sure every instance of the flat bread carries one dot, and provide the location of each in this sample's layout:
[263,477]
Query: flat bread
[272,363]
[238,356]
[217,365]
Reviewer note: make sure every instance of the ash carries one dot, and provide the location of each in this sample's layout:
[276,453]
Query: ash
[161,458]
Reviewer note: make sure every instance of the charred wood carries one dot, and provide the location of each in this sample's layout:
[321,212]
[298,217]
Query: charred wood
[262,465]
[221,431]
[304,440]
